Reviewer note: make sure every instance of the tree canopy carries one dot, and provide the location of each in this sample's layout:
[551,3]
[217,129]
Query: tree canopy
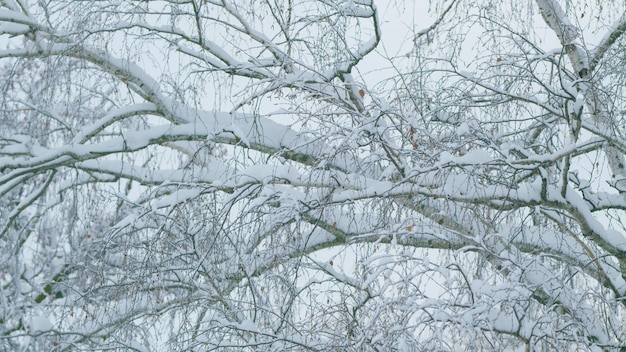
[312,175]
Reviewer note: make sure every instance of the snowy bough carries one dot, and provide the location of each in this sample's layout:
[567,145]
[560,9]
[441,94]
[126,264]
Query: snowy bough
[312,175]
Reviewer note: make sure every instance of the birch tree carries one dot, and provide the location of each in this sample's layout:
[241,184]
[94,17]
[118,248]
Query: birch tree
[236,176]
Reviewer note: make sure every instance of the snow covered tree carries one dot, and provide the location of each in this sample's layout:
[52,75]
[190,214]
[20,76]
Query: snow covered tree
[282,175]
